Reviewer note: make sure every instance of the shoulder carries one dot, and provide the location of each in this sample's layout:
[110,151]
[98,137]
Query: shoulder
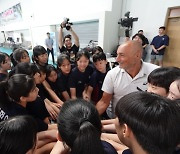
[75,72]
[90,69]
[18,110]
[108,148]
[157,36]
[148,67]
[113,75]
[63,48]
[166,36]
[115,71]
[2,76]
[95,74]
[75,69]
[74,46]
[127,151]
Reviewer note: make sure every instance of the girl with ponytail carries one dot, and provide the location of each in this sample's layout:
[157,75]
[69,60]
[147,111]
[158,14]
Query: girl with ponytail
[79,128]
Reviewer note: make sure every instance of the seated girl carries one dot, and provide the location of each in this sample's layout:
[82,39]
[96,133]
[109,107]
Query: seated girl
[16,93]
[5,65]
[80,75]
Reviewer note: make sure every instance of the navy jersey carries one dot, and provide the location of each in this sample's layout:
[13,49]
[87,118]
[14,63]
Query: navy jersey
[96,83]
[80,80]
[158,41]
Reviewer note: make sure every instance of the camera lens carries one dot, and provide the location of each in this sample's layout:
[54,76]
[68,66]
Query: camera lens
[68,27]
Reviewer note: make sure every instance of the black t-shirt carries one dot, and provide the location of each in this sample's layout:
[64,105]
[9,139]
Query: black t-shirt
[14,109]
[43,93]
[3,77]
[96,82]
[70,52]
[63,82]
[145,41]
[5,111]
[80,80]
[37,109]
[55,86]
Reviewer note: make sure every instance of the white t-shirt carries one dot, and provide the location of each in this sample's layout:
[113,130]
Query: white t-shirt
[119,83]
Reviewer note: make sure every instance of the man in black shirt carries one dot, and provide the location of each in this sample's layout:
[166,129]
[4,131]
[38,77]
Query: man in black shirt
[66,46]
[145,43]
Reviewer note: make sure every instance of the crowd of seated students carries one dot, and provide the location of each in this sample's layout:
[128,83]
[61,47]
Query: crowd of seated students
[51,86]
[40,93]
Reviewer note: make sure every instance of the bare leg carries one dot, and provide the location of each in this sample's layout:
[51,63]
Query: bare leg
[160,63]
[46,137]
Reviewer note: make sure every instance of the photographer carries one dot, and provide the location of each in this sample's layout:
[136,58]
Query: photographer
[65,45]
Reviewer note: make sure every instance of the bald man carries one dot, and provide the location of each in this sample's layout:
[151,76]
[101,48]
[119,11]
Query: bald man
[131,75]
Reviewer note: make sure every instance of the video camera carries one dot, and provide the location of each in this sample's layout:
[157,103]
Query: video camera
[127,22]
[67,24]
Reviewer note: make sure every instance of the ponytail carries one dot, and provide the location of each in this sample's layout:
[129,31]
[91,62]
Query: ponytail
[80,127]
[88,140]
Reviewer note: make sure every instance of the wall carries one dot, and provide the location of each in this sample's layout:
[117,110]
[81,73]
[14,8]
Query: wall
[151,14]
[39,15]
[108,34]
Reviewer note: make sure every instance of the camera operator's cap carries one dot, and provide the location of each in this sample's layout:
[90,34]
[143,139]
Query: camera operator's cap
[47,33]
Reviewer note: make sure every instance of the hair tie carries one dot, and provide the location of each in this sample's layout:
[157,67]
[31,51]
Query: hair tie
[83,121]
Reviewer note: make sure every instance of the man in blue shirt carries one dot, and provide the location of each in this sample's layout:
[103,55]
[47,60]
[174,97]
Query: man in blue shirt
[159,44]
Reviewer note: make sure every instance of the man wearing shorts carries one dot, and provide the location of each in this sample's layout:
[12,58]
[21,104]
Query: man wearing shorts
[159,44]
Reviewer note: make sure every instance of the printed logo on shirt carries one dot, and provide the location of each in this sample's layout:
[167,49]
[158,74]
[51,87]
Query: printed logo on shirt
[79,82]
[3,115]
